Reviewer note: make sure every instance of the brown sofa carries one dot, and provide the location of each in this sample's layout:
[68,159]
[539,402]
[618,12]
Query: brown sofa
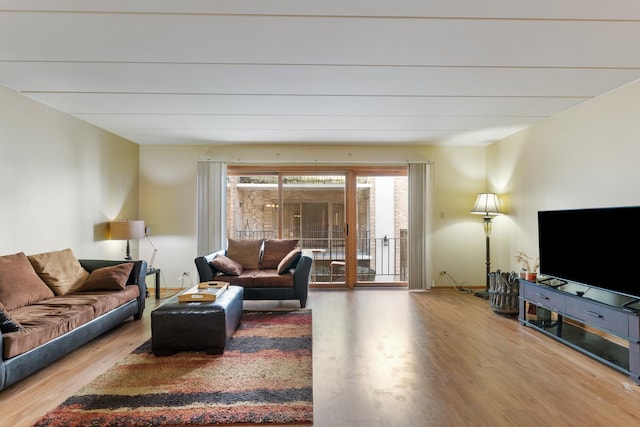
[52,303]
[268,269]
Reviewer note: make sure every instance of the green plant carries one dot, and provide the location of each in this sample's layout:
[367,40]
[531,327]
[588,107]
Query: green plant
[527,262]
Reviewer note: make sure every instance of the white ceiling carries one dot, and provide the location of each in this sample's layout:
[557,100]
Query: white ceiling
[448,72]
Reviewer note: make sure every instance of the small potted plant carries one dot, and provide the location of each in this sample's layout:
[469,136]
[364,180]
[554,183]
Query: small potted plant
[529,266]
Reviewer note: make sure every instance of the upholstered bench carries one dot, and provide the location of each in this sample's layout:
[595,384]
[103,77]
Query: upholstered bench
[196,326]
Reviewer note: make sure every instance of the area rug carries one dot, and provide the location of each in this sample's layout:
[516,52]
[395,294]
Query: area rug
[263,377]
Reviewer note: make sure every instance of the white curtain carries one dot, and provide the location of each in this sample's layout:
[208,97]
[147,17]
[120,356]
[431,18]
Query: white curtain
[419,225]
[212,206]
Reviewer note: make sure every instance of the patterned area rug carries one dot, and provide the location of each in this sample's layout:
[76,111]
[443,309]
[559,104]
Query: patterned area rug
[263,377]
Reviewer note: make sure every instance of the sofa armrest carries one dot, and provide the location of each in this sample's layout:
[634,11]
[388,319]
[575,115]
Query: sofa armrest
[301,276]
[206,272]
[137,277]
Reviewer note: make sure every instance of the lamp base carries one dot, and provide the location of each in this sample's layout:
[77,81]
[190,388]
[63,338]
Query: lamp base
[127,255]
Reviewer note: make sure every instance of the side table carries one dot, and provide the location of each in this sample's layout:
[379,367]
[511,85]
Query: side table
[314,267]
[151,272]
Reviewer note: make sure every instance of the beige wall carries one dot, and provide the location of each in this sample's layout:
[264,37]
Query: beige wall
[584,157]
[61,181]
[168,197]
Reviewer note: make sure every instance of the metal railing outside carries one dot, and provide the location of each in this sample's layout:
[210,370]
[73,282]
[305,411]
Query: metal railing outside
[380,259]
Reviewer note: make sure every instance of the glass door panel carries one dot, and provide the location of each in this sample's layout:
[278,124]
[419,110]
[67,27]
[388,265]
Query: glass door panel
[252,207]
[381,215]
[313,210]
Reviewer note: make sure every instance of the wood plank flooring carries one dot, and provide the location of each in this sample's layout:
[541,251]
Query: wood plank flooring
[389,357]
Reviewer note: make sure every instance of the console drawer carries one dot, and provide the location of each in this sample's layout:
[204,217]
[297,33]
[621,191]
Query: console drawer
[544,297]
[599,316]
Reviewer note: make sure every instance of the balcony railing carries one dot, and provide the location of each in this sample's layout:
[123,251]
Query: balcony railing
[380,259]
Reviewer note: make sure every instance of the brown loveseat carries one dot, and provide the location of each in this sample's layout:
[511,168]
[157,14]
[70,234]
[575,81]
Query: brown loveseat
[268,269]
[52,303]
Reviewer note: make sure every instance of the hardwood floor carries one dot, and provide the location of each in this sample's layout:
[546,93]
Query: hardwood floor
[389,357]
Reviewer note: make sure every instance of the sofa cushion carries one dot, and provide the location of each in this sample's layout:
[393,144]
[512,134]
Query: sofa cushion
[275,250]
[101,301]
[244,279]
[226,265]
[245,252]
[271,279]
[113,277]
[42,322]
[19,283]
[260,279]
[7,322]
[60,270]
[288,261]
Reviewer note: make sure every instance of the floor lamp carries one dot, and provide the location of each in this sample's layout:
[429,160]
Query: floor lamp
[487,204]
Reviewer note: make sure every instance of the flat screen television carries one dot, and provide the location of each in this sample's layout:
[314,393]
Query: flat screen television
[597,247]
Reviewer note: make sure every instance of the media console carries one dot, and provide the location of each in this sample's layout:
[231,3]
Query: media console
[601,324]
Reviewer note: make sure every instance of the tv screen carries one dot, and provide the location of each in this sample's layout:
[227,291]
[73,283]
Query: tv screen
[596,247]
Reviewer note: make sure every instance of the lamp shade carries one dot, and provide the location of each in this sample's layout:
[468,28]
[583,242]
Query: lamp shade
[126,230]
[487,204]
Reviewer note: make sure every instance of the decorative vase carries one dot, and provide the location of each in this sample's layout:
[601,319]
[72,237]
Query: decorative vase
[531,277]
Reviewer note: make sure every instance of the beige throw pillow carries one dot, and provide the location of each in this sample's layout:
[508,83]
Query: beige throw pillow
[60,270]
[245,252]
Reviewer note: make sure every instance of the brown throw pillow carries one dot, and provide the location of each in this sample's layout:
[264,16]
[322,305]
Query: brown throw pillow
[112,278]
[288,261]
[8,323]
[245,252]
[275,250]
[60,270]
[226,265]
[19,283]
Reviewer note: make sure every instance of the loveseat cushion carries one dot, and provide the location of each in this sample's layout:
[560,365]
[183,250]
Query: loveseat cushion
[60,270]
[274,251]
[244,279]
[19,283]
[271,279]
[245,252]
[259,279]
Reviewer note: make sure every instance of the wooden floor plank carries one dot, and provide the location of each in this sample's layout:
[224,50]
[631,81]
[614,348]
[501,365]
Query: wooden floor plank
[389,357]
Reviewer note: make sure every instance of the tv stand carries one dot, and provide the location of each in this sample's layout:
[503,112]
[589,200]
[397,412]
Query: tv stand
[605,328]
[554,283]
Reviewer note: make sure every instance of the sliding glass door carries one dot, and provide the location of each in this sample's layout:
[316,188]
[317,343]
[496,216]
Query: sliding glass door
[353,222]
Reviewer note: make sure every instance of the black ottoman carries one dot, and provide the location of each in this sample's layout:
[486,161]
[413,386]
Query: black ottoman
[196,326]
